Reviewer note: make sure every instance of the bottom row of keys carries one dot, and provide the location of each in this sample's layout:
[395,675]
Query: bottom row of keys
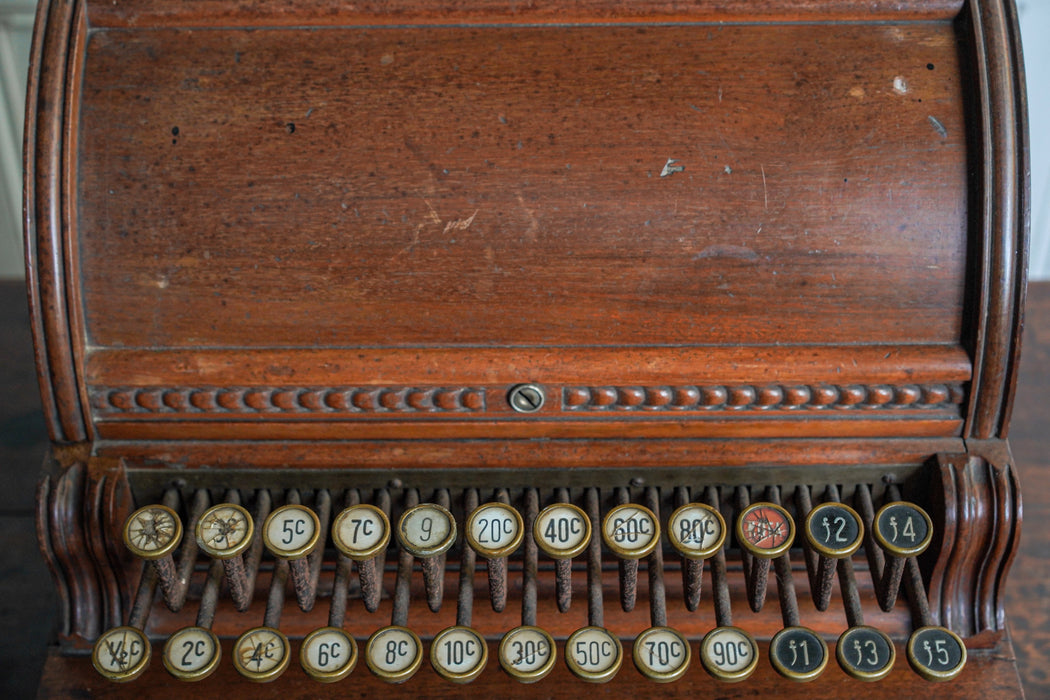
[459,654]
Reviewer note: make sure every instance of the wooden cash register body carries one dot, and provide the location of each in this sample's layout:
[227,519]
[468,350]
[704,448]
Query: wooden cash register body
[314,245]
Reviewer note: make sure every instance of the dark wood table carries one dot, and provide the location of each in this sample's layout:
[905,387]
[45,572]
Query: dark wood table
[27,612]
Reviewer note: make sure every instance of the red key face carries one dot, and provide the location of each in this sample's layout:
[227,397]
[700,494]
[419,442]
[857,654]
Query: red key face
[765,527]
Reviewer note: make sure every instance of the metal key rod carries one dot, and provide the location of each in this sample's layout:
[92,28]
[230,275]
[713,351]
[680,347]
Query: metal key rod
[563,567]
[595,605]
[628,567]
[657,591]
[531,560]
[468,562]
[719,580]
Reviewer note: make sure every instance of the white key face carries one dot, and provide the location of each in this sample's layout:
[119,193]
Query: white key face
[152,530]
[328,652]
[493,528]
[525,650]
[290,529]
[458,652]
[223,528]
[631,531]
[360,530]
[427,529]
[190,650]
[661,653]
[393,651]
[121,653]
[593,650]
[562,528]
[696,530]
[727,650]
[260,651]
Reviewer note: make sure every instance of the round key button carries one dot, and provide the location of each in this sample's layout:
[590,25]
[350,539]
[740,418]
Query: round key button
[865,653]
[153,532]
[459,654]
[697,530]
[394,653]
[527,653]
[328,654]
[631,531]
[662,654]
[594,654]
[121,654]
[798,653]
[834,530]
[261,654]
[224,531]
[291,531]
[192,653]
[427,530]
[903,529]
[766,530]
[495,530]
[562,530]
[936,653]
[729,654]
[361,532]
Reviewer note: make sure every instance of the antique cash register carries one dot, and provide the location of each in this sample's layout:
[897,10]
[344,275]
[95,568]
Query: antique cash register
[484,347]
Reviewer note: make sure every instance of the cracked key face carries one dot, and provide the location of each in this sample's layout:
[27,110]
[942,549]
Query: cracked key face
[766,530]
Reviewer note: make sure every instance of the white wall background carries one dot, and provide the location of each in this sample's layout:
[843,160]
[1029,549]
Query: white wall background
[16,19]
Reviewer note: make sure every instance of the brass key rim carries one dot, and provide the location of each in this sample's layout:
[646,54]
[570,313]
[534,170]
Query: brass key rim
[825,550]
[211,516]
[673,534]
[147,531]
[424,551]
[319,674]
[894,549]
[601,676]
[279,550]
[774,551]
[495,552]
[104,644]
[171,649]
[458,676]
[520,675]
[401,675]
[356,553]
[706,651]
[850,668]
[552,550]
[785,670]
[272,673]
[619,548]
[924,670]
[652,673]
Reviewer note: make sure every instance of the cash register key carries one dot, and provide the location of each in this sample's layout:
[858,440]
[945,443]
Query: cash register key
[328,654]
[865,653]
[936,653]
[153,533]
[766,530]
[394,653]
[121,654]
[291,532]
[224,531]
[834,530]
[562,530]
[527,653]
[903,529]
[662,654]
[459,654]
[696,530]
[426,530]
[361,532]
[798,653]
[495,530]
[593,654]
[729,654]
[261,654]
[192,653]
[631,531]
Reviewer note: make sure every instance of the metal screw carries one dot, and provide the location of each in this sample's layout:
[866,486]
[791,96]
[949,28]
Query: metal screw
[526,398]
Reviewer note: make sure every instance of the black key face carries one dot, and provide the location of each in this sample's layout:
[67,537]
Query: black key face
[936,654]
[834,529]
[798,653]
[865,653]
[903,528]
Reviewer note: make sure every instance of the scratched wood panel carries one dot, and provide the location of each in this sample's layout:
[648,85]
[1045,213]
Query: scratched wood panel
[523,186]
